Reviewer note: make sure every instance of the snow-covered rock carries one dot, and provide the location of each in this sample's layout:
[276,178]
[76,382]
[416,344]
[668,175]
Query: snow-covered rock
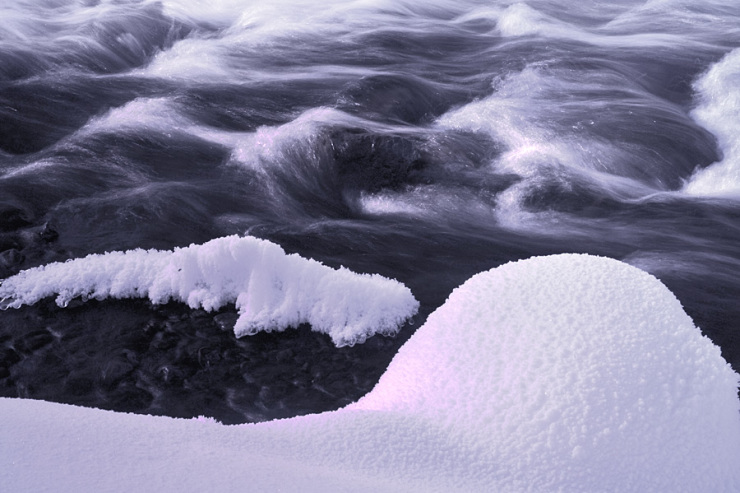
[271,290]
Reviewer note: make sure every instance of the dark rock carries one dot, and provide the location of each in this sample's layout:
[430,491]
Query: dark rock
[170,375]
[79,384]
[164,340]
[13,218]
[9,240]
[284,355]
[48,234]
[373,163]
[9,356]
[225,321]
[33,341]
[130,398]
[114,370]
[10,262]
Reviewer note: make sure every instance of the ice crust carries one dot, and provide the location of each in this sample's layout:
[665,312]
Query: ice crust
[271,290]
[562,373]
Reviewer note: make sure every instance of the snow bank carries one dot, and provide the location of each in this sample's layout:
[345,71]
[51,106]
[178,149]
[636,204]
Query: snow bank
[271,290]
[576,373]
[564,373]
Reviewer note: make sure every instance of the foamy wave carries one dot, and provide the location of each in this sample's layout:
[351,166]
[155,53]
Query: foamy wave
[253,150]
[719,112]
[274,27]
[520,19]
[100,36]
[521,116]
[271,290]
[151,114]
[273,144]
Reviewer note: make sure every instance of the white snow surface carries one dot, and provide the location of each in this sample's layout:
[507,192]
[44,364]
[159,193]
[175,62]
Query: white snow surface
[271,289]
[561,373]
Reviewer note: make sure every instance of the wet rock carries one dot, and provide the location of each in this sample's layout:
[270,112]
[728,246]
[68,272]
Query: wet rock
[13,218]
[9,356]
[275,391]
[48,234]
[170,375]
[114,370]
[137,341]
[33,341]
[10,240]
[225,321]
[208,357]
[10,261]
[373,163]
[244,396]
[131,356]
[79,384]
[130,398]
[164,340]
[302,381]
[284,355]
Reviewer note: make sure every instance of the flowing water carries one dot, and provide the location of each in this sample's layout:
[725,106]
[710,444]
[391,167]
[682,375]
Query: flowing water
[424,141]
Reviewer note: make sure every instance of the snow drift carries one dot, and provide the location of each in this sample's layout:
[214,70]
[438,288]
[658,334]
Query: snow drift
[271,290]
[574,373]
[563,373]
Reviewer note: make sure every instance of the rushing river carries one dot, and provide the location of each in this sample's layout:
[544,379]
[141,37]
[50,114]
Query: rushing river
[423,141]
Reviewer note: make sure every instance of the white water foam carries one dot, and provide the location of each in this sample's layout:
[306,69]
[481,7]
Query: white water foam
[719,112]
[150,114]
[271,290]
[269,146]
[518,115]
[247,31]
[64,36]
[563,373]
[629,24]
[523,19]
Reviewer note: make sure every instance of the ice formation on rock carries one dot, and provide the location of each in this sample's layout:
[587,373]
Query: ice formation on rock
[271,290]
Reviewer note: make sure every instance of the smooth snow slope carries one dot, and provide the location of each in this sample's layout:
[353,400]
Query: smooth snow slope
[570,372]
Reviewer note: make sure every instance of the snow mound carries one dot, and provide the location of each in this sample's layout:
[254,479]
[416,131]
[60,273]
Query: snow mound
[575,373]
[563,373]
[271,290]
